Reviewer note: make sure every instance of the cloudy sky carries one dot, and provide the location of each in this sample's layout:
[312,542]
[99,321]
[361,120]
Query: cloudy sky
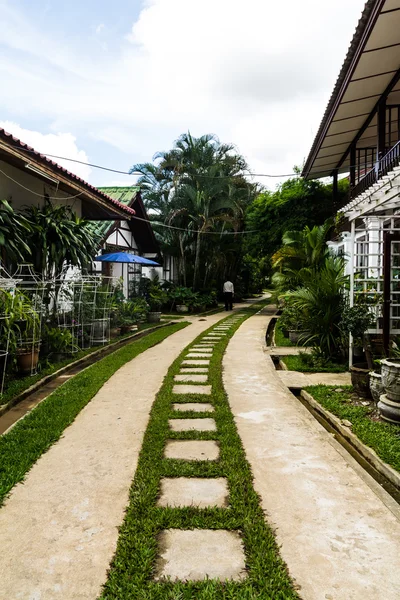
[113,82]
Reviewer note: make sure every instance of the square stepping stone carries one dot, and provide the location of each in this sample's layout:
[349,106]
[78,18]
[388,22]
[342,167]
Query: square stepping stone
[194,370]
[200,554]
[192,425]
[194,406]
[201,349]
[196,363]
[192,491]
[192,449]
[194,378]
[192,389]
[197,355]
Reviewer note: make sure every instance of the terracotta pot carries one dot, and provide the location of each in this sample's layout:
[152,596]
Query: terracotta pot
[27,360]
[360,379]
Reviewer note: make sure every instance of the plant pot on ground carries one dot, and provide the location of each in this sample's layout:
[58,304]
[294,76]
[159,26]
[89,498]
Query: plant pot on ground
[182,308]
[360,379]
[390,369]
[376,385]
[28,358]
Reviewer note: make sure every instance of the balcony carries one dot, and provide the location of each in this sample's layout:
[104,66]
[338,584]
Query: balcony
[383,167]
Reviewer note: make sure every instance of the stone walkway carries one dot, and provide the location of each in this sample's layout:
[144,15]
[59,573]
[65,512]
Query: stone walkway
[296,381]
[197,554]
[58,530]
[339,532]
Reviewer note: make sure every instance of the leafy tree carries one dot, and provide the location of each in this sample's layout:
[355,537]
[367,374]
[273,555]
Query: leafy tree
[199,188]
[14,229]
[58,239]
[296,203]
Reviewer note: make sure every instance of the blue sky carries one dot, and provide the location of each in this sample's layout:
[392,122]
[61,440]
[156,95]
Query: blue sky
[113,82]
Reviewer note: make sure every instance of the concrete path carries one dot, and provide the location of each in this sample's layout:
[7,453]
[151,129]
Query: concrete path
[296,380]
[58,530]
[339,532]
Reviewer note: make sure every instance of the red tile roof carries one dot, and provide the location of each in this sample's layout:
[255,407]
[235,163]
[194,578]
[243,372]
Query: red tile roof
[42,158]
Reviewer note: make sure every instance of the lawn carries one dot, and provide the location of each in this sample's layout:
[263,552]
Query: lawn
[131,571]
[382,437]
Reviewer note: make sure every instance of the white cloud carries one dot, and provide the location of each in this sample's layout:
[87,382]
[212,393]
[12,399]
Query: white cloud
[60,144]
[257,74]
[100,28]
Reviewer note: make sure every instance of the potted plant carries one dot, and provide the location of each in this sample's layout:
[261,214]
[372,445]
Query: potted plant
[157,297]
[356,320]
[60,343]
[130,313]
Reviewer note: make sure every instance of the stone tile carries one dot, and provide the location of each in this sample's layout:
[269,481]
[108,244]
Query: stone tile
[194,406]
[194,378]
[192,389]
[200,554]
[192,449]
[194,370]
[192,425]
[196,363]
[201,349]
[192,491]
[197,355]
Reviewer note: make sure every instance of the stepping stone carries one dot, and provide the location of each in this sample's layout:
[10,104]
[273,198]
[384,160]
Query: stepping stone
[200,349]
[197,355]
[194,406]
[192,449]
[192,389]
[195,378]
[192,491]
[193,370]
[192,425]
[200,554]
[195,363]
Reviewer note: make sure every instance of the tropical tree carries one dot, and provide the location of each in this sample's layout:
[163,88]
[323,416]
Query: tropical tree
[198,190]
[321,302]
[59,239]
[303,253]
[14,229]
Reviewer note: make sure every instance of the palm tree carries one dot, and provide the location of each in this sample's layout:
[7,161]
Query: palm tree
[198,187]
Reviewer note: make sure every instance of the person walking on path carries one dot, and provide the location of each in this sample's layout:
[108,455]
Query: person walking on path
[228,294]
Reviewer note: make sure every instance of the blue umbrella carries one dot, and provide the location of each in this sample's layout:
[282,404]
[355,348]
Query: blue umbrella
[125,257]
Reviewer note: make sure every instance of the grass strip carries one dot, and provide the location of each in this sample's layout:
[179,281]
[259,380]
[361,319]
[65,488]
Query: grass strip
[297,363]
[131,572]
[382,437]
[34,434]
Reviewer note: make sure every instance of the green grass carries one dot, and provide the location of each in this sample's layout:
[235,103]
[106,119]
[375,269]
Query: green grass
[33,435]
[297,363]
[19,385]
[131,572]
[383,437]
[280,340]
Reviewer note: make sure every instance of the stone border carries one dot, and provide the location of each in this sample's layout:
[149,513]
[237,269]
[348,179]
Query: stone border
[101,353]
[367,453]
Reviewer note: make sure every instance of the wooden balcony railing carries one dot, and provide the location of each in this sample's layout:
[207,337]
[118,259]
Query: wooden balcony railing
[386,164]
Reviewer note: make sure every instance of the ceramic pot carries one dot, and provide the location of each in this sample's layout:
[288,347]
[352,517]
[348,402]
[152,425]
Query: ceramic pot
[360,379]
[182,308]
[389,410]
[376,385]
[390,369]
[153,317]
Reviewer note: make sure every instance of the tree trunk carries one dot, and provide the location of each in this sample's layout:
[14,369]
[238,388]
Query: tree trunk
[197,261]
[183,262]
